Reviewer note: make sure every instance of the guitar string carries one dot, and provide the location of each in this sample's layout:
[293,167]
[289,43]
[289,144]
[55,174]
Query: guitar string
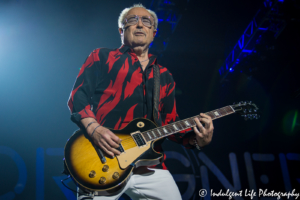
[169,126]
[129,141]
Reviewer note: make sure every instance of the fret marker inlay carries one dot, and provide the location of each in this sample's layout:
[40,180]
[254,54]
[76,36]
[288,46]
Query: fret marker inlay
[187,123]
[216,113]
[175,127]
[149,135]
[165,130]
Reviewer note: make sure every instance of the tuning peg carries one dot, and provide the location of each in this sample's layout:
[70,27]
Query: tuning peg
[240,103]
[245,110]
[249,102]
[250,109]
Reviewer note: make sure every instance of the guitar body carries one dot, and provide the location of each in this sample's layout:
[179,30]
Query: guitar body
[83,162]
[83,159]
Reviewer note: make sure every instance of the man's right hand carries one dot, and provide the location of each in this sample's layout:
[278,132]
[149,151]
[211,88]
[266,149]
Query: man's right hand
[102,137]
[105,139]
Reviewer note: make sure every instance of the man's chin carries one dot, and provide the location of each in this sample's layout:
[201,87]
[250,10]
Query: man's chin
[139,43]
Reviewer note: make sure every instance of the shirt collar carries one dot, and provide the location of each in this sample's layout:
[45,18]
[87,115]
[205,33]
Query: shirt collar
[124,49]
[152,58]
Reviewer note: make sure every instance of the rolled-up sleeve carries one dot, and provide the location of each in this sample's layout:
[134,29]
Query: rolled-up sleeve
[84,87]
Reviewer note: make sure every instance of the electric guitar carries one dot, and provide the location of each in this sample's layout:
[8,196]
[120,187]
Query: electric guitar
[98,173]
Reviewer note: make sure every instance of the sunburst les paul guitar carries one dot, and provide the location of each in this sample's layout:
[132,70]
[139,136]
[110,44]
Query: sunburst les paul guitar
[103,175]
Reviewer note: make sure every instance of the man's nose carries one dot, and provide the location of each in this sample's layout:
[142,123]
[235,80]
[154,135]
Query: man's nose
[139,23]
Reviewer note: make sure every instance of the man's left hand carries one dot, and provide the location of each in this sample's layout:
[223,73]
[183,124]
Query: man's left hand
[203,133]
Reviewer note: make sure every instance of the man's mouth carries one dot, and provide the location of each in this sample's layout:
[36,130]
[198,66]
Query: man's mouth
[139,33]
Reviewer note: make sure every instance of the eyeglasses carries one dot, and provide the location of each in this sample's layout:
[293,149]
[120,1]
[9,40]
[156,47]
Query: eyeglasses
[133,20]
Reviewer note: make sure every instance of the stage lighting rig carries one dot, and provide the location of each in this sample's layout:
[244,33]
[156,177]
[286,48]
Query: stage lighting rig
[259,36]
[169,13]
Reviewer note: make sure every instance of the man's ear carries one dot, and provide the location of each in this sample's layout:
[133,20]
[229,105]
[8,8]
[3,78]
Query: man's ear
[121,31]
[154,32]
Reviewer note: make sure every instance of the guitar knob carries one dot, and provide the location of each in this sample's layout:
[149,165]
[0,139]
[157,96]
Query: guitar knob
[92,174]
[105,168]
[116,175]
[102,180]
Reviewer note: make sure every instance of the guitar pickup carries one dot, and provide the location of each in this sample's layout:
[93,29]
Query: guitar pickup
[120,148]
[138,139]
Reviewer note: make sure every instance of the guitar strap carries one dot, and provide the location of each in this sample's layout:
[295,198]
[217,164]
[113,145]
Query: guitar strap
[156,77]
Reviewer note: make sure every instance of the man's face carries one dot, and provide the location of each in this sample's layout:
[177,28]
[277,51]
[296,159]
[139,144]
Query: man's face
[138,34]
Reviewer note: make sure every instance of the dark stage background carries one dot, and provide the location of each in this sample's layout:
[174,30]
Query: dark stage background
[44,43]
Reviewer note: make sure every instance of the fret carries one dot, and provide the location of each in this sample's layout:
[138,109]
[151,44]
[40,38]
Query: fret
[221,112]
[170,129]
[186,122]
[211,114]
[192,122]
[183,125]
[229,109]
[156,133]
[153,134]
[180,126]
[225,111]
[160,130]
[146,137]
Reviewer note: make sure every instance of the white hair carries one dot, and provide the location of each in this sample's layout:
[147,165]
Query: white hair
[126,10]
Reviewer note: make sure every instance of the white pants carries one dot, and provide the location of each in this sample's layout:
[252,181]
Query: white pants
[147,184]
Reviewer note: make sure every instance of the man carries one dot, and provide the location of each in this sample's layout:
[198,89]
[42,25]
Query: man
[115,86]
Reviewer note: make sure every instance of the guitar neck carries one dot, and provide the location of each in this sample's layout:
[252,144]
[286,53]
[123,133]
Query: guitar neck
[181,125]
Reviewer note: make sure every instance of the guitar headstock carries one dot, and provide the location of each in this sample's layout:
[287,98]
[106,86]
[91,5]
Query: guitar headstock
[248,110]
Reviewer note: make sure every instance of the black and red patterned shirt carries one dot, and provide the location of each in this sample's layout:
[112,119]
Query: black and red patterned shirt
[113,88]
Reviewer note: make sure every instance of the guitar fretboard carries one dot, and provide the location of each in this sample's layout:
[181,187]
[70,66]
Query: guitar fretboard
[178,126]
